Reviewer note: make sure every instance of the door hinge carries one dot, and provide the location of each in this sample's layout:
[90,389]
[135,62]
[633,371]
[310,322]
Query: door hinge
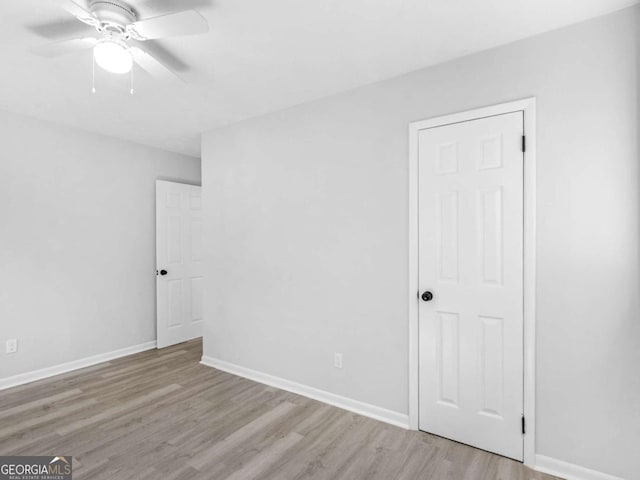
[524,426]
[524,144]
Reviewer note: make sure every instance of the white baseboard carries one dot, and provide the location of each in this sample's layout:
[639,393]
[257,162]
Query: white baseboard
[362,408]
[569,471]
[29,377]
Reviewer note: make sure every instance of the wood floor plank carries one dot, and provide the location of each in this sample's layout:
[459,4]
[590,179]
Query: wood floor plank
[32,422]
[243,434]
[160,414]
[40,402]
[116,410]
[259,463]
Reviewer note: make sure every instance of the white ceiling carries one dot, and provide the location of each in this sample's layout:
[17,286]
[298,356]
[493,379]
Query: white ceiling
[260,56]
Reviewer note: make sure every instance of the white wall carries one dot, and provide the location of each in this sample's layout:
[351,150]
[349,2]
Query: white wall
[306,221]
[77,241]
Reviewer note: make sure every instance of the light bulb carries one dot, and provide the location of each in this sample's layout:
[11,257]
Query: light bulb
[113,56]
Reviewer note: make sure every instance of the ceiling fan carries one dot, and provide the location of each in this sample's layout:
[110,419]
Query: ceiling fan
[121,35]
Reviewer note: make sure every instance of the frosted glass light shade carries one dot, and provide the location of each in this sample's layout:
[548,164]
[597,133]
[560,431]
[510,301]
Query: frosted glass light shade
[113,56]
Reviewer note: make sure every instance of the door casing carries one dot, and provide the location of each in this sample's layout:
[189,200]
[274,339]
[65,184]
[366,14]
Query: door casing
[528,106]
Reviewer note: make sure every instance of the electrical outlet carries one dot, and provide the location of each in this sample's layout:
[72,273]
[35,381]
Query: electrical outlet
[12,345]
[337,360]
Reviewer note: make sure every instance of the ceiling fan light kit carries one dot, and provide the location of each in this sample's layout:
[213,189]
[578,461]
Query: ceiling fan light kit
[122,34]
[113,56]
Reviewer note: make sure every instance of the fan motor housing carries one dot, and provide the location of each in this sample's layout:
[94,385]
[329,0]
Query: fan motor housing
[112,12]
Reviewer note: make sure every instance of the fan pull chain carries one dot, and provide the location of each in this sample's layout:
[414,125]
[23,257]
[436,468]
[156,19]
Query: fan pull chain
[131,91]
[93,74]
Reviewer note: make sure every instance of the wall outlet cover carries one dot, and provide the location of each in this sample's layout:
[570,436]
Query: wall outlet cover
[337,360]
[12,345]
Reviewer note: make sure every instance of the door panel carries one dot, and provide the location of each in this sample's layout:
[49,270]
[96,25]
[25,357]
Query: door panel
[471,258]
[179,253]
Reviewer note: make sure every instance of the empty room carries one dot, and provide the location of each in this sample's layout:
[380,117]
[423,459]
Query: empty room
[338,240]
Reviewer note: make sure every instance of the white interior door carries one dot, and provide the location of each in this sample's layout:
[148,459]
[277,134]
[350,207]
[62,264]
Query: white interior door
[179,275]
[471,260]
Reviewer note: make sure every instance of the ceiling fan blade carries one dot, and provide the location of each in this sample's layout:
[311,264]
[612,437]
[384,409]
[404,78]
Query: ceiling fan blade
[79,12]
[149,63]
[160,53]
[60,29]
[64,47]
[187,22]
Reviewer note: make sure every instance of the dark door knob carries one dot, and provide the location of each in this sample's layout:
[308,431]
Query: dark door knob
[427,296]
[163,272]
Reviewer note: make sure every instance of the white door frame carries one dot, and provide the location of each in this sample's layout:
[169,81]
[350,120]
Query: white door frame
[528,106]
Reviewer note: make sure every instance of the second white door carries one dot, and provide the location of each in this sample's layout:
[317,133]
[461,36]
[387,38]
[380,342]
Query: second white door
[471,281]
[179,262]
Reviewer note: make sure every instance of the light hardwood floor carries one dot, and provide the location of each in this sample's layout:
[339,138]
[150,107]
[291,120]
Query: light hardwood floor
[160,414]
